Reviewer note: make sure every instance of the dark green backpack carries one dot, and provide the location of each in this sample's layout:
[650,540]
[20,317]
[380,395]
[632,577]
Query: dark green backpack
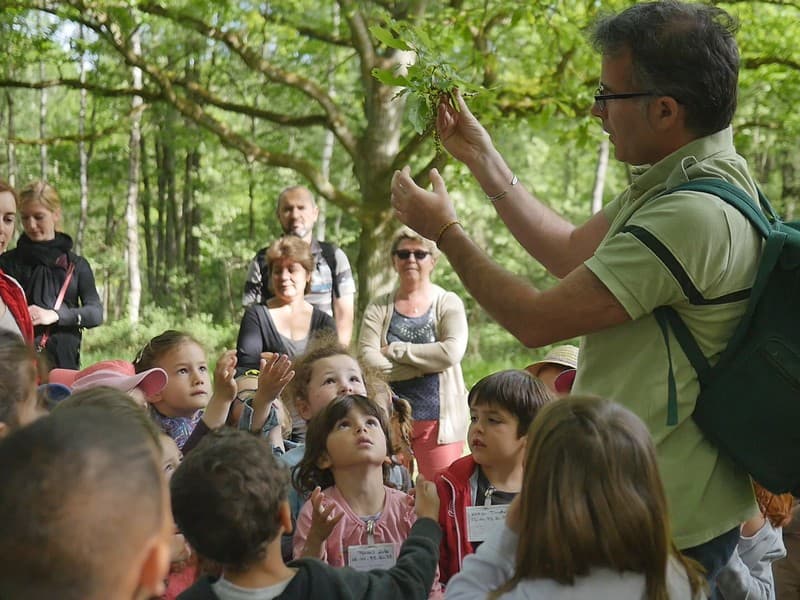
[749,402]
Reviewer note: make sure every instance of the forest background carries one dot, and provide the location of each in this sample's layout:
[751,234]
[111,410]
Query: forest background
[169,128]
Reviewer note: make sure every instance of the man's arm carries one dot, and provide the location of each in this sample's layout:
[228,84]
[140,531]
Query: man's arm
[343,311]
[549,238]
[578,305]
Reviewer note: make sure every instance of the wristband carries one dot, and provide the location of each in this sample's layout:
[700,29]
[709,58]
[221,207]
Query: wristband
[501,195]
[444,228]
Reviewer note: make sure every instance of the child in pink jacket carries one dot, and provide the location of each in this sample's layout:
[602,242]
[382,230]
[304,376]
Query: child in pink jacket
[356,521]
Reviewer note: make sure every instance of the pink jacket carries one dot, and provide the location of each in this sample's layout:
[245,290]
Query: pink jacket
[392,526]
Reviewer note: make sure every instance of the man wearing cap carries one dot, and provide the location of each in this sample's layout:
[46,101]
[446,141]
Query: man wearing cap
[118,374]
[558,360]
[667,95]
[332,286]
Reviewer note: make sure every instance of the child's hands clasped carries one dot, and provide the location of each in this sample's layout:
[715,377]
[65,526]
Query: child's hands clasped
[426,499]
[323,520]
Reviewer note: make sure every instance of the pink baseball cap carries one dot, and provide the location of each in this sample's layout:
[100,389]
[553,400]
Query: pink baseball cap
[118,374]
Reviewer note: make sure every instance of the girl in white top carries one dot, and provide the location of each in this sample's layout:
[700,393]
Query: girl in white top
[594,514]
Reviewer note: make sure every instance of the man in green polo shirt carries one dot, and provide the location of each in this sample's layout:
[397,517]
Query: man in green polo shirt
[666,98]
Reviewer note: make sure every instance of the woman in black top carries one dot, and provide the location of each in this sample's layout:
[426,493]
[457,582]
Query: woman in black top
[41,263]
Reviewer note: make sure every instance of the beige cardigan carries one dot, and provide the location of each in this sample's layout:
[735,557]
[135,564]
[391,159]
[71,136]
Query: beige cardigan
[406,360]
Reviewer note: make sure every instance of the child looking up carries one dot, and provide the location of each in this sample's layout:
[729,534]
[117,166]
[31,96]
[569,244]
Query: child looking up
[502,406]
[176,409]
[594,517]
[229,499]
[357,520]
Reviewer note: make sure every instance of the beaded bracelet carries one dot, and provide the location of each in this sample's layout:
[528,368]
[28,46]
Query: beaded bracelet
[501,195]
[444,228]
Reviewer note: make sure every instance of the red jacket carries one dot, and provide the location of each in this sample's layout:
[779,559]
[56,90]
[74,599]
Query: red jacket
[14,297]
[455,495]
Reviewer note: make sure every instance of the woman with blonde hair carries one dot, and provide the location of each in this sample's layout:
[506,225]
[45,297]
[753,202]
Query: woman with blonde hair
[593,510]
[416,336]
[59,284]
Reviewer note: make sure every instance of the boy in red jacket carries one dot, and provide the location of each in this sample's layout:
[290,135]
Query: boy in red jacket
[475,490]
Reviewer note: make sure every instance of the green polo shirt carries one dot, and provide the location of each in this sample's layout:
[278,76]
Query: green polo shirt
[718,251]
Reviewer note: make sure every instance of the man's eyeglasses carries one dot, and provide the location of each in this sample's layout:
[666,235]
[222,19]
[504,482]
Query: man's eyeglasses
[406,254]
[600,98]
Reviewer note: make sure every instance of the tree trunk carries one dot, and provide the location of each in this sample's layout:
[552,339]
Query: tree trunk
[147,202]
[83,156]
[132,205]
[600,175]
[42,115]
[161,229]
[11,148]
[192,222]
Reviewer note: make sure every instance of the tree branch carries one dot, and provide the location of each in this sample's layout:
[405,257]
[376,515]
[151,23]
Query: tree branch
[252,59]
[107,29]
[149,95]
[199,92]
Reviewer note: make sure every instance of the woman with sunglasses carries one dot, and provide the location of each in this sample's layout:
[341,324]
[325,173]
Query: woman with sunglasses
[416,336]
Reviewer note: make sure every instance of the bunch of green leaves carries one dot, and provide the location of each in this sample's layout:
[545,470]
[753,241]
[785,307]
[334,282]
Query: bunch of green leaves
[425,80]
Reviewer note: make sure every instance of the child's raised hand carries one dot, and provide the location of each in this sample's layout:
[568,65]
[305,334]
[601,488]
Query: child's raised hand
[224,390]
[323,520]
[275,372]
[224,376]
[426,499]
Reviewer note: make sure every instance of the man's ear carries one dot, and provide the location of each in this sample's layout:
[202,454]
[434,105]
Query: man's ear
[4,429]
[668,112]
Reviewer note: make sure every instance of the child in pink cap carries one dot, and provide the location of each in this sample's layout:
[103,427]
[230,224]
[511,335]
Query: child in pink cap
[118,374]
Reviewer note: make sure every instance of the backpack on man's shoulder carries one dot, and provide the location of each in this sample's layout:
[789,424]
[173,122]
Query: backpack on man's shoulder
[328,253]
[749,402]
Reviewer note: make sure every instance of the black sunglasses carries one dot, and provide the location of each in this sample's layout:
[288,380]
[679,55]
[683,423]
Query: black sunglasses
[406,254]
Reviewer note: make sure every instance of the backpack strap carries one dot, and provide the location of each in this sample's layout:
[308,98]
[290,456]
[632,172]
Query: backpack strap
[736,197]
[667,317]
[329,254]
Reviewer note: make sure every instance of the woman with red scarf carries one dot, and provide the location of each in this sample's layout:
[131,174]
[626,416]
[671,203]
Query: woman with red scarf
[14,315]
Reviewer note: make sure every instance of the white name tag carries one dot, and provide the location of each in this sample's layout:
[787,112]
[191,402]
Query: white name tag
[482,520]
[366,557]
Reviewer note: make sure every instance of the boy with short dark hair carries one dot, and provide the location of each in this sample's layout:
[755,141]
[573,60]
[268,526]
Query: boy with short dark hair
[229,498]
[476,489]
[83,509]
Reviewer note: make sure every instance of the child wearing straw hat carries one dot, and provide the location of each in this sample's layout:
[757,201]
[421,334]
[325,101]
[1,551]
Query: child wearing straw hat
[558,360]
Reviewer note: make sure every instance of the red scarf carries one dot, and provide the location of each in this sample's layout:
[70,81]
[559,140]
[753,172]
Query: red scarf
[14,297]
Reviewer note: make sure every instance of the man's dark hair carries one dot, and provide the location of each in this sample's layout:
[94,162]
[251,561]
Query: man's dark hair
[81,493]
[225,497]
[518,392]
[686,51]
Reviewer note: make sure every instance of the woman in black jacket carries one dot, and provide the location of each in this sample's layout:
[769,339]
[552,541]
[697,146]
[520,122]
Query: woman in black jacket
[41,262]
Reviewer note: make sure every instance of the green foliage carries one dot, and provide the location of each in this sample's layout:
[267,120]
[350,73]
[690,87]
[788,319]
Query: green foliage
[425,80]
[121,340]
